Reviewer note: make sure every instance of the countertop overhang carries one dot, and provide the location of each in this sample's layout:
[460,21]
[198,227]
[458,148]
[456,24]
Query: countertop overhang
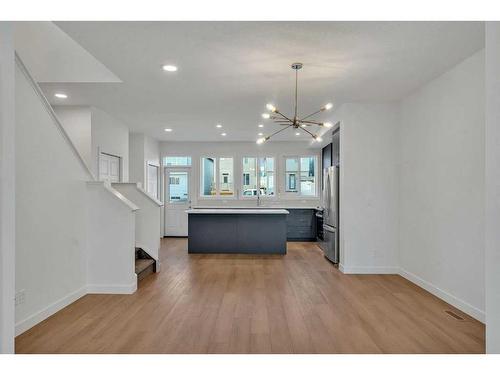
[257,211]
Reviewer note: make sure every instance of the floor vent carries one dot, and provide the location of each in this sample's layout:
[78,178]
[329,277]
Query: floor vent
[451,313]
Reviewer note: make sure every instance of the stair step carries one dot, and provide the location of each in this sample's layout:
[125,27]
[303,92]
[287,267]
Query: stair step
[142,264]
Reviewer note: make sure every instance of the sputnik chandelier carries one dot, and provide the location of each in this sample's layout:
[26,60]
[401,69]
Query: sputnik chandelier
[294,121]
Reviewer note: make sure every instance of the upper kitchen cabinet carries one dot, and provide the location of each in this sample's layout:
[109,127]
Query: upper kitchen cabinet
[327,156]
[335,147]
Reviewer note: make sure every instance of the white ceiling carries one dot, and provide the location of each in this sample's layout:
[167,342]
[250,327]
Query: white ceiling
[228,71]
[52,56]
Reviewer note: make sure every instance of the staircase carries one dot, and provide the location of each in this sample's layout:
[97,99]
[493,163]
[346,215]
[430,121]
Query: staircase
[145,265]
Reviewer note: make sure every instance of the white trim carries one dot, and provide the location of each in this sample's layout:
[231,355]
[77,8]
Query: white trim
[51,309]
[445,296]
[362,270]
[112,289]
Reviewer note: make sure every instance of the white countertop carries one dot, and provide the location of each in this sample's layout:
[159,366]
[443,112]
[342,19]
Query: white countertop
[283,207]
[260,211]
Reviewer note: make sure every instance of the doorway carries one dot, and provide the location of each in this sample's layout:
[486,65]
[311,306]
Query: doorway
[177,201]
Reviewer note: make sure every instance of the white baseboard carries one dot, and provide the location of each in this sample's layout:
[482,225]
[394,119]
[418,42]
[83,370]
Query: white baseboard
[44,313]
[369,270]
[112,289]
[445,296]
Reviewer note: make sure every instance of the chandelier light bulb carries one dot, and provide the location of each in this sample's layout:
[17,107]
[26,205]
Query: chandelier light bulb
[266,115]
[261,140]
[327,124]
[271,107]
[327,106]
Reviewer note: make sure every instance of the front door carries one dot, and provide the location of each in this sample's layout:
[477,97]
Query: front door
[177,201]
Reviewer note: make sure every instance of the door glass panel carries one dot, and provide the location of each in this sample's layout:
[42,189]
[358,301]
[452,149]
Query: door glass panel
[178,187]
[177,161]
[249,176]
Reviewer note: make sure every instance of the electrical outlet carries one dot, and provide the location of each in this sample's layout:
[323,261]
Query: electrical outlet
[20,297]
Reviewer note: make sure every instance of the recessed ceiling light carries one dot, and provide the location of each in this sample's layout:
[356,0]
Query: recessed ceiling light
[266,115]
[218,126]
[168,130]
[169,68]
[260,126]
[260,134]
[223,134]
[297,133]
[60,95]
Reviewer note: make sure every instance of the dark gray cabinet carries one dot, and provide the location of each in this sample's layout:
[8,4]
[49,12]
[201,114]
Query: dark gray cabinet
[327,156]
[301,224]
[336,147]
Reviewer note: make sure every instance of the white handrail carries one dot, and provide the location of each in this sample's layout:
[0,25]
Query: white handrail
[138,186]
[52,114]
[107,186]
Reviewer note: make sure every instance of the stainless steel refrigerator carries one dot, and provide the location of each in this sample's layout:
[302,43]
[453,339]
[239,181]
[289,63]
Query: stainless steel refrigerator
[330,242]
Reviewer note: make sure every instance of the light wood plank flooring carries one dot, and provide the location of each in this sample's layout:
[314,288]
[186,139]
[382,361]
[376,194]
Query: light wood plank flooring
[298,303]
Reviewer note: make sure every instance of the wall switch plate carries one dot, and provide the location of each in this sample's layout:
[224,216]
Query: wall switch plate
[20,297]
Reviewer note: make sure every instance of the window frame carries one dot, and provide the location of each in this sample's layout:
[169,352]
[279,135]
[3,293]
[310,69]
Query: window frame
[158,178]
[298,194]
[217,194]
[257,170]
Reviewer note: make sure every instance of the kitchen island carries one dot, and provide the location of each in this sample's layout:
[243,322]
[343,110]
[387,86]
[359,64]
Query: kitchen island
[237,231]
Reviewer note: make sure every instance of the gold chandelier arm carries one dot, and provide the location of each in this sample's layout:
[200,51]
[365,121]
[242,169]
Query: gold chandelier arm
[307,131]
[282,115]
[276,132]
[312,114]
[311,122]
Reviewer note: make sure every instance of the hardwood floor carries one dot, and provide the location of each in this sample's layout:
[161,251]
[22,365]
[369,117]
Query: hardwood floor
[298,303]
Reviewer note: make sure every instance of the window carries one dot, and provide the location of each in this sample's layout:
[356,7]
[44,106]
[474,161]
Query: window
[177,161]
[258,176]
[208,187]
[266,176]
[217,177]
[152,186]
[249,187]
[226,179]
[300,175]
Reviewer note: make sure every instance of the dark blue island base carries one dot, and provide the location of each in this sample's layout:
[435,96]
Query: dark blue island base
[237,233]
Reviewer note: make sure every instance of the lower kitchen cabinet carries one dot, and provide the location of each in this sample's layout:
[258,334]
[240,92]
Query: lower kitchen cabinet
[301,224]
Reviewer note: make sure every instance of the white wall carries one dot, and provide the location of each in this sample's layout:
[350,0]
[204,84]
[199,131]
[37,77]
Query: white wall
[143,150]
[147,219]
[492,185]
[368,187]
[238,150]
[111,242]
[109,136]
[51,202]
[7,189]
[77,121]
[136,158]
[442,186]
